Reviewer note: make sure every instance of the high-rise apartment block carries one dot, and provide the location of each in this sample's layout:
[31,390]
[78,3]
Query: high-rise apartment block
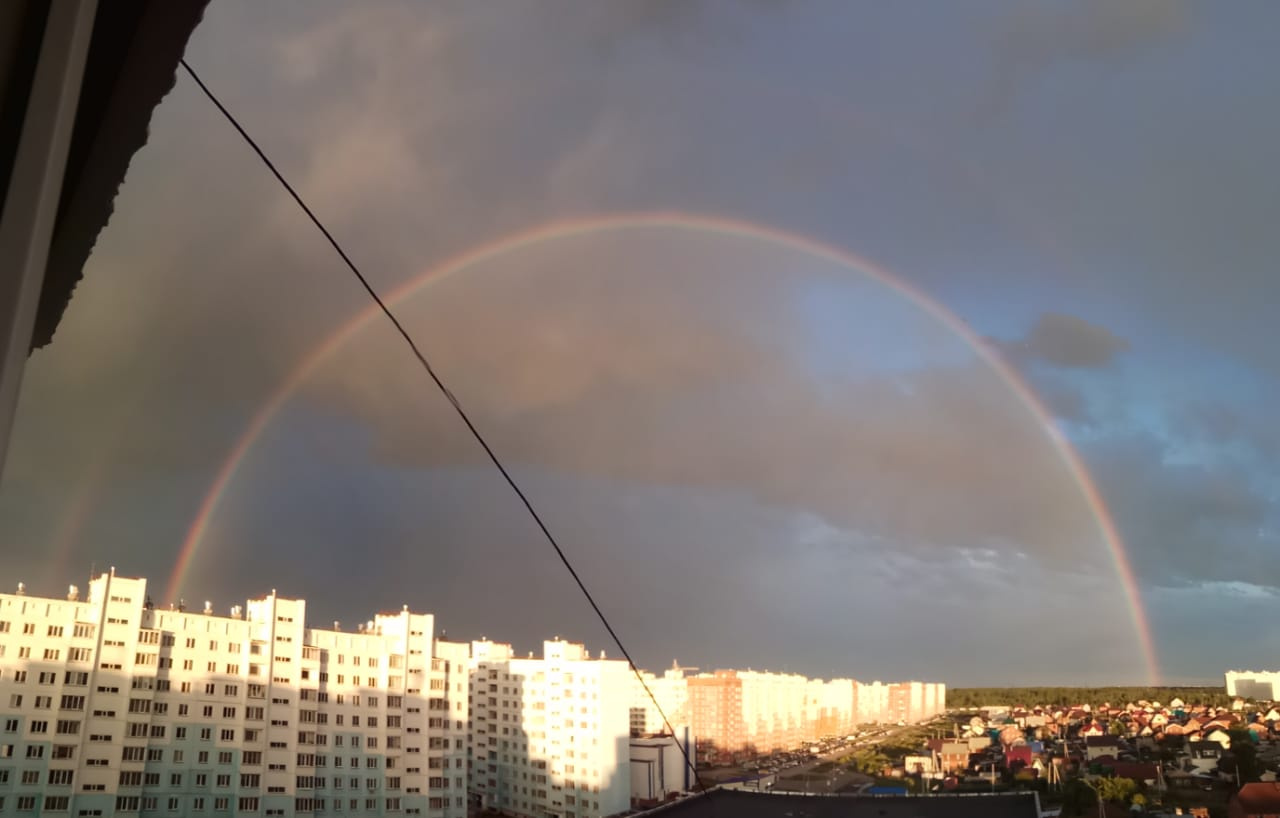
[1262,685]
[734,712]
[551,735]
[112,707]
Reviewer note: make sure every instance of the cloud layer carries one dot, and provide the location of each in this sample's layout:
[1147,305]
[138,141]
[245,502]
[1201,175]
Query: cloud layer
[724,425]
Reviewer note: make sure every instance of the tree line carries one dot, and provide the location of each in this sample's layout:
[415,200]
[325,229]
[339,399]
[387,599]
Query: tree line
[974,697]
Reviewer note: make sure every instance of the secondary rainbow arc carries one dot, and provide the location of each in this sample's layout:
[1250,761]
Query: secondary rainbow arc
[676,220]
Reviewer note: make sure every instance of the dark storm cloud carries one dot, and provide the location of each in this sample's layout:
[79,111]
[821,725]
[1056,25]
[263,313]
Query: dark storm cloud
[589,385]
[417,131]
[1037,37]
[1066,341]
[1188,523]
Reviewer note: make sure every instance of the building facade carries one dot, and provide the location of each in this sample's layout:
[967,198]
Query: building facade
[115,708]
[1262,685]
[550,735]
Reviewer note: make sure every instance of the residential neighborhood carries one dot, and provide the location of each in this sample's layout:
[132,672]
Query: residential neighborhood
[1169,758]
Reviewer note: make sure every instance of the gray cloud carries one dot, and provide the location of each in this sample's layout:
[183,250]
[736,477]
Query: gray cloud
[1065,341]
[611,371]
[1188,523]
[1036,38]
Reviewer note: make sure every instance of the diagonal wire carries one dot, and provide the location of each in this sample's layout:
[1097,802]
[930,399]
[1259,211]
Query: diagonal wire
[453,401]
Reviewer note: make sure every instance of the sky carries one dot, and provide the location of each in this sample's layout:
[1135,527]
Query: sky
[820,416]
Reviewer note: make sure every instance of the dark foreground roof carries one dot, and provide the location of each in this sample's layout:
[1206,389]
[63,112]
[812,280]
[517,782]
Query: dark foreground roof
[740,804]
[132,60]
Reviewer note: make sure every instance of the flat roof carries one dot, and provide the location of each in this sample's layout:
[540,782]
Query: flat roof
[743,804]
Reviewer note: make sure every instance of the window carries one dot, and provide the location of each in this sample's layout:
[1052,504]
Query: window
[248,804]
[223,781]
[75,678]
[35,751]
[69,727]
[175,779]
[64,751]
[228,735]
[155,754]
[30,776]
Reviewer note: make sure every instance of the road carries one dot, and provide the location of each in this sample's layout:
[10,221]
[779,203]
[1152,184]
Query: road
[801,777]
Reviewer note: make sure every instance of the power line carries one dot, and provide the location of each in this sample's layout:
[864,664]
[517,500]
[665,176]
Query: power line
[453,401]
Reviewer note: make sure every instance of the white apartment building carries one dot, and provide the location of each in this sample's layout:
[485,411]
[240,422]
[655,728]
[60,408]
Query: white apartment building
[112,707]
[1262,685]
[671,693]
[873,702]
[550,736]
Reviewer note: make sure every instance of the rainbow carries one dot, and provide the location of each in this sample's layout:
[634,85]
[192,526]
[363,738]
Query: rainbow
[674,220]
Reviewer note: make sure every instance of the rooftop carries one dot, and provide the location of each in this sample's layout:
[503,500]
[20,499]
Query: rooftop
[743,804]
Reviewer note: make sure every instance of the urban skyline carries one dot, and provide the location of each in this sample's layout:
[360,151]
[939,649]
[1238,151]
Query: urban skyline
[115,706]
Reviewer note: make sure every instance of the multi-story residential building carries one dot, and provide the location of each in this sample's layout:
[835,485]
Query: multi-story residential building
[1262,685]
[715,712]
[873,702]
[735,712]
[837,707]
[550,736]
[670,691]
[113,707]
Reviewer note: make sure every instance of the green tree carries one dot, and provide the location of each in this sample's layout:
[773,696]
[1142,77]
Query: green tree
[1241,759]
[1117,790]
[1078,798]
[870,761]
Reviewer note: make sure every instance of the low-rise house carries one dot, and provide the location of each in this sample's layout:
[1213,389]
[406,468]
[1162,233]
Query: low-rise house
[1220,736]
[1099,746]
[1202,757]
[1019,755]
[954,756]
[1257,800]
[1148,774]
